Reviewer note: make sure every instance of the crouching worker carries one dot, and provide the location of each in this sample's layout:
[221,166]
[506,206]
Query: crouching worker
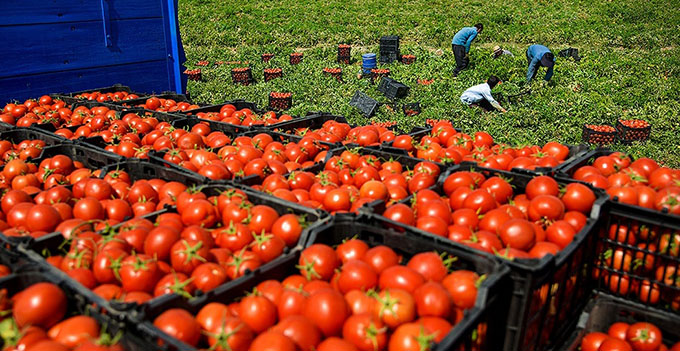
[480,96]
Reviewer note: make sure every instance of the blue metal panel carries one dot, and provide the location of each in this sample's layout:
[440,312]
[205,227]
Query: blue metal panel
[21,12]
[144,77]
[65,46]
[62,48]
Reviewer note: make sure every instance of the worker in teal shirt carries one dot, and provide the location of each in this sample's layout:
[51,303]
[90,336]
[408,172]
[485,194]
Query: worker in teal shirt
[461,46]
[537,56]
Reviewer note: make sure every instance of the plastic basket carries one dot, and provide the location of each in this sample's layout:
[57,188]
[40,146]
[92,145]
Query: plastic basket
[567,169]
[592,136]
[412,109]
[17,135]
[280,103]
[80,301]
[546,293]
[367,105]
[267,57]
[295,58]
[272,73]
[242,75]
[637,256]
[393,89]
[630,134]
[464,336]
[408,59]
[603,310]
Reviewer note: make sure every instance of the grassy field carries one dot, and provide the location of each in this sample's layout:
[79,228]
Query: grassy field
[630,66]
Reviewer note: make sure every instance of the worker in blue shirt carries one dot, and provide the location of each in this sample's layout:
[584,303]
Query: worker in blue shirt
[461,46]
[537,56]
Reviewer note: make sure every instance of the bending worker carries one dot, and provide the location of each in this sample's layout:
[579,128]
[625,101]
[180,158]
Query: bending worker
[537,56]
[461,46]
[480,96]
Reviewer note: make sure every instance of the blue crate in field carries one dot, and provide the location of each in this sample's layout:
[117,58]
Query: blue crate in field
[72,45]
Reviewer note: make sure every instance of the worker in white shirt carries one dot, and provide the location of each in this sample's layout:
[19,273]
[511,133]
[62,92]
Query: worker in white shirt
[480,96]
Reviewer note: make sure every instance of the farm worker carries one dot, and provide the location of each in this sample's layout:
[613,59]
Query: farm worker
[498,52]
[480,96]
[461,46]
[537,56]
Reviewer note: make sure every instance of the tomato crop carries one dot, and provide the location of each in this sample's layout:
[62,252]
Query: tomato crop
[641,336]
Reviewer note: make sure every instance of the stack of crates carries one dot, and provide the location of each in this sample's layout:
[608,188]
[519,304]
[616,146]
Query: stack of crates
[389,49]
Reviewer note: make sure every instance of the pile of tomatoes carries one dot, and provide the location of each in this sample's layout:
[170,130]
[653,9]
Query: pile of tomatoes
[206,242]
[620,336]
[337,132]
[445,144]
[258,155]
[352,297]
[486,214]
[24,150]
[38,322]
[40,111]
[111,96]
[243,117]
[167,105]
[350,180]
[642,182]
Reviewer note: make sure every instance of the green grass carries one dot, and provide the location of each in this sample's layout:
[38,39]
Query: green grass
[629,69]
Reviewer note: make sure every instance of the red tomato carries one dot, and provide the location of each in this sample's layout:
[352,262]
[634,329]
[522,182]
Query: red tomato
[328,310]
[179,324]
[41,304]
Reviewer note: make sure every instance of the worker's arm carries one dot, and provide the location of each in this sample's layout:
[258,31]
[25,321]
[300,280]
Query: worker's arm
[493,101]
[549,74]
[469,41]
[533,66]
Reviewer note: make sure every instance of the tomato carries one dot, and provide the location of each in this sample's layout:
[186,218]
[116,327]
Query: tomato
[300,330]
[409,337]
[328,310]
[400,213]
[618,330]
[336,344]
[291,302]
[318,262]
[612,344]
[592,341]
[432,299]
[74,331]
[518,234]
[366,332]
[41,304]
[430,265]
[257,312]
[159,242]
[179,324]
[644,336]
[561,233]
[48,345]
[139,273]
[578,197]
[381,257]
[462,285]
[208,276]
[352,249]
[546,207]
[479,200]
[272,341]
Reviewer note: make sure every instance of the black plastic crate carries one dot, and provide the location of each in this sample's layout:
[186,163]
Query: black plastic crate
[592,136]
[266,57]
[412,109]
[242,75]
[280,103]
[344,50]
[393,89]
[70,98]
[463,336]
[546,293]
[637,256]
[272,73]
[389,41]
[367,105]
[603,310]
[389,57]
[567,169]
[628,135]
[90,157]
[82,302]
[408,59]
[295,58]
[17,135]
[139,169]
[333,72]
[194,74]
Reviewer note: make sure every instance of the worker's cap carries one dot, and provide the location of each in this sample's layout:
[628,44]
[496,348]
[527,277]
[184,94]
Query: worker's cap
[496,48]
[548,60]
